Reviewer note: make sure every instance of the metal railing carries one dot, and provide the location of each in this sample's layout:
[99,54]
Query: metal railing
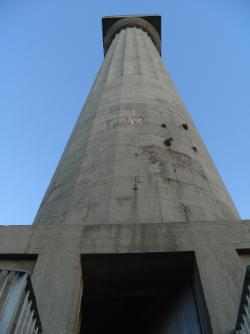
[18,310]
[243,320]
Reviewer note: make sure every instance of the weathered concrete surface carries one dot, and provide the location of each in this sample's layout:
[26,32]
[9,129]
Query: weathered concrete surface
[135,177]
[57,276]
[116,167]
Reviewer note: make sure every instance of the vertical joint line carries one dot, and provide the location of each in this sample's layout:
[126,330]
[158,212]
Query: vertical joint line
[137,31]
[114,50]
[124,51]
[146,37]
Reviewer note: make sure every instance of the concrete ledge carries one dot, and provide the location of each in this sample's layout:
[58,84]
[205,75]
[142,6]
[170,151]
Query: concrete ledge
[111,238]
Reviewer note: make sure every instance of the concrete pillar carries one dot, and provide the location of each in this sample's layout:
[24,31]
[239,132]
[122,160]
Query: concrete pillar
[57,281]
[221,276]
[135,155]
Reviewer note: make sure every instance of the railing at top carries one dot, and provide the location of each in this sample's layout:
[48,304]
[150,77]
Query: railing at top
[243,320]
[18,310]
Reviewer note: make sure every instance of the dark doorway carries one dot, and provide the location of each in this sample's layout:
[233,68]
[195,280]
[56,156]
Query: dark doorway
[139,293]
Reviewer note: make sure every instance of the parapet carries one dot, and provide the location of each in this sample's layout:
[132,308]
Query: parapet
[151,24]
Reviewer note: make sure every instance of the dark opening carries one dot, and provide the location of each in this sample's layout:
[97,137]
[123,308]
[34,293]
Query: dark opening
[163,125]
[139,294]
[185,126]
[168,142]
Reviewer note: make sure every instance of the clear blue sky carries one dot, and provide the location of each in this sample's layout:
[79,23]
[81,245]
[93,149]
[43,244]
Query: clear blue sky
[50,53]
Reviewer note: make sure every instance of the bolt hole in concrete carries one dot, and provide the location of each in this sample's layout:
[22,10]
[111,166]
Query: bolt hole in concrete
[185,126]
[194,149]
[135,184]
[163,125]
[168,142]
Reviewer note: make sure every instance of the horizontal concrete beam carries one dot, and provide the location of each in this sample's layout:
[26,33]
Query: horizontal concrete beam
[124,237]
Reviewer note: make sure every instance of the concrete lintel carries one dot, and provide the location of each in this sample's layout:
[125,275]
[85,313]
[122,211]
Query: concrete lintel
[124,237]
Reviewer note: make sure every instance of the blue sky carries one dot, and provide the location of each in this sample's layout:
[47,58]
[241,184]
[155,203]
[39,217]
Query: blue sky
[50,53]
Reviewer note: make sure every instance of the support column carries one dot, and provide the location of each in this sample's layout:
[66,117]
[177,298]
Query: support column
[222,277]
[57,281]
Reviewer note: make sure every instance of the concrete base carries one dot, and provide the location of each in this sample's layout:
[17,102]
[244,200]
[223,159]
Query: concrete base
[222,251]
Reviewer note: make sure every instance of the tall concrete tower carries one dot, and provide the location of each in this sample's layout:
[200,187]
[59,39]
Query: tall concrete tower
[136,232]
[135,155]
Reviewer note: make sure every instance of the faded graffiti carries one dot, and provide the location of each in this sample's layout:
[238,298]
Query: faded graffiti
[123,121]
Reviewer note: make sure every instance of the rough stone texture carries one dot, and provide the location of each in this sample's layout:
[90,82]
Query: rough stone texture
[116,167]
